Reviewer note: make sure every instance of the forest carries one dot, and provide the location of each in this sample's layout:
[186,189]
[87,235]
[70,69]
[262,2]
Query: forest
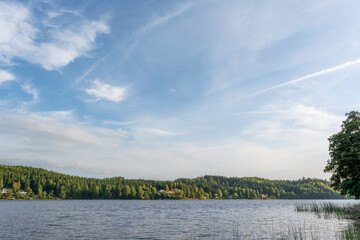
[21,182]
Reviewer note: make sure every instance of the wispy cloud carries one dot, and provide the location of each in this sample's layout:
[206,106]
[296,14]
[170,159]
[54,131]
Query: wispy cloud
[90,70]
[158,132]
[6,76]
[21,37]
[137,36]
[66,115]
[163,19]
[306,77]
[105,91]
[31,91]
[117,123]
[35,129]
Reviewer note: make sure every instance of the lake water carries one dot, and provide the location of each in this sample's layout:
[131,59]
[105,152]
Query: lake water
[163,219]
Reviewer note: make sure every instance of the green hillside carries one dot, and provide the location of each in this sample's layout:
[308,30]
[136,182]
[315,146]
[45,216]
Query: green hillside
[19,182]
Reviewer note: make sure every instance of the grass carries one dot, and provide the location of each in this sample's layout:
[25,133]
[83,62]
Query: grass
[301,232]
[329,210]
[296,231]
[292,231]
[352,233]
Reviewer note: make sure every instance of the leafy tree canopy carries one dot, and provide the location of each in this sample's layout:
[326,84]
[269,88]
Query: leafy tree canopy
[344,162]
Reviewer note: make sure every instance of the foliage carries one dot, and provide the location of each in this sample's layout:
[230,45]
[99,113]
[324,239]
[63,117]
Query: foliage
[49,185]
[344,162]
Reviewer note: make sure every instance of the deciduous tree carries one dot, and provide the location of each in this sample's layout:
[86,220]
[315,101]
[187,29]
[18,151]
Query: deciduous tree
[344,162]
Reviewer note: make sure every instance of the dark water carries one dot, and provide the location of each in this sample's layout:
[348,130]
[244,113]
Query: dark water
[134,219]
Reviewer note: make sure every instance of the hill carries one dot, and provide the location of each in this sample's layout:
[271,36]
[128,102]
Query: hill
[20,182]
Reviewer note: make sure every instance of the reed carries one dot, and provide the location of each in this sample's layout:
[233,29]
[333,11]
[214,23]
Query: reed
[351,233]
[330,210]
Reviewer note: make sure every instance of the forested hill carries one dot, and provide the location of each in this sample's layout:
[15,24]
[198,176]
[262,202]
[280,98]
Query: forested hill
[18,182]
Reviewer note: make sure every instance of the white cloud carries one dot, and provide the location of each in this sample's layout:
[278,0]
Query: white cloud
[105,91]
[288,144]
[313,118]
[36,129]
[301,132]
[6,76]
[298,119]
[20,37]
[298,137]
[41,138]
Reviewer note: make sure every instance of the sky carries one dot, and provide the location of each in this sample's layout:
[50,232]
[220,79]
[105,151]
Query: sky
[169,89]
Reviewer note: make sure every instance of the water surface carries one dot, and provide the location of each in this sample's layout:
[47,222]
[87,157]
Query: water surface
[163,219]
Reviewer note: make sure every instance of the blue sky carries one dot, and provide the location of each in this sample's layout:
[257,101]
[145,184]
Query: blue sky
[169,89]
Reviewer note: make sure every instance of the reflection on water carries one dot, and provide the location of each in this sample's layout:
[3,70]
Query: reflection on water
[164,219]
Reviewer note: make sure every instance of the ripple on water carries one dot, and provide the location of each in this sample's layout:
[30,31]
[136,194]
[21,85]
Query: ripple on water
[128,219]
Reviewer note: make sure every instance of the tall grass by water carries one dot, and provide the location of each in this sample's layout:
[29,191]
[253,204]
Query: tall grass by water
[290,231]
[303,232]
[328,210]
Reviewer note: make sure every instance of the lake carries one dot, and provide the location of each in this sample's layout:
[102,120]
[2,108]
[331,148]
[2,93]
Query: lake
[163,219]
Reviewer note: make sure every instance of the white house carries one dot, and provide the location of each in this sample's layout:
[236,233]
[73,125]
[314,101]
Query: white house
[22,192]
[5,190]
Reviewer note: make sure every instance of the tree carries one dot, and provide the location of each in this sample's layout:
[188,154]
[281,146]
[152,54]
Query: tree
[27,185]
[133,192]
[140,193]
[16,186]
[1,182]
[62,192]
[344,162]
[126,191]
[219,193]
[40,190]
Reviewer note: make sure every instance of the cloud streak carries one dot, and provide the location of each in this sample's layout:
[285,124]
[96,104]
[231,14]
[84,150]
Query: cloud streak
[303,78]
[158,132]
[136,39]
[163,19]
[90,70]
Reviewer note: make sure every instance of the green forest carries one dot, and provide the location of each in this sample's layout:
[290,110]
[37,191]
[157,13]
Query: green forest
[20,182]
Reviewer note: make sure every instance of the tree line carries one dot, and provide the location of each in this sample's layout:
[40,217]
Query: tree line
[37,183]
